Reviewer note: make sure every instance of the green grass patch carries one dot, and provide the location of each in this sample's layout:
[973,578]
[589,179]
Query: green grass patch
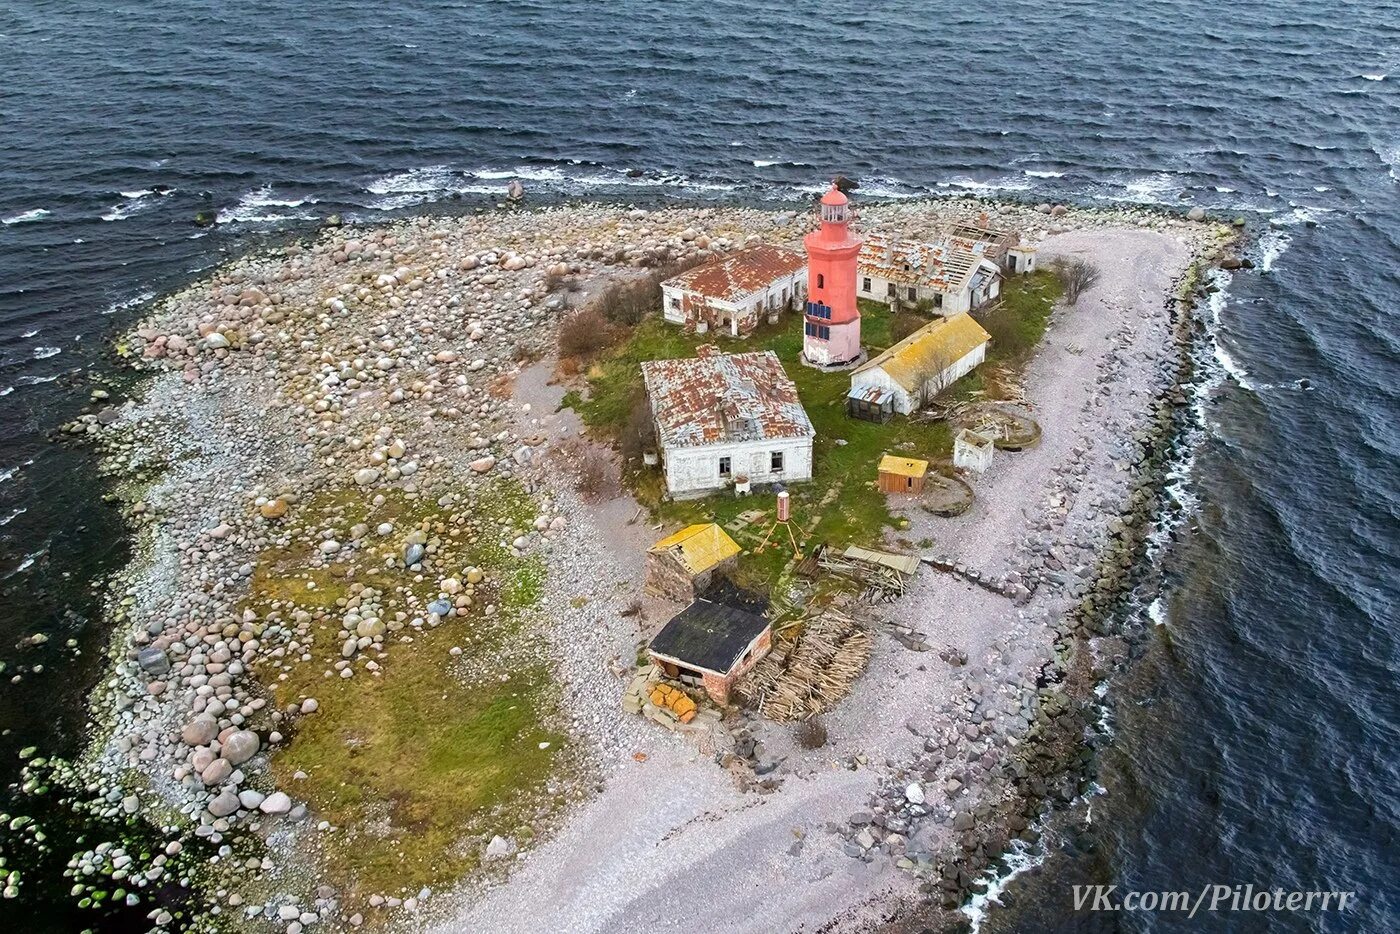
[419,762]
[841,505]
[1017,320]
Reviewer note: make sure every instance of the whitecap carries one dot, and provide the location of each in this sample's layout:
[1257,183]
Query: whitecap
[14,514]
[1272,245]
[132,302]
[26,217]
[1377,76]
[1044,173]
[133,202]
[252,208]
[5,392]
[43,353]
[33,333]
[997,184]
[1157,612]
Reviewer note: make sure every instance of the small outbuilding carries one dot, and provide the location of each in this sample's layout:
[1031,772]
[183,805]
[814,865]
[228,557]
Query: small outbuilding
[683,565]
[902,474]
[711,644]
[925,363]
[973,451]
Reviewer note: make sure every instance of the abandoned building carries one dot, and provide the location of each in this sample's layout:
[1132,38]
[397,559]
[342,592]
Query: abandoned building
[901,474]
[973,451]
[1002,247]
[727,419]
[682,566]
[733,294]
[711,644]
[918,368]
[831,332]
[954,276]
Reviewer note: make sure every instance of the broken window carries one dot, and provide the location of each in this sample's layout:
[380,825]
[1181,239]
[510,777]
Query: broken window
[724,467]
[775,462]
[865,284]
[821,281]
[913,295]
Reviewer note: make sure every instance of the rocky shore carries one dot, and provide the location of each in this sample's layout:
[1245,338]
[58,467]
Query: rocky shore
[334,481]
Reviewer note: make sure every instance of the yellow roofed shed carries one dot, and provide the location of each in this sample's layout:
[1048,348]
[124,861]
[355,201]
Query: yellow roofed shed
[698,547]
[902,474]
[930,350]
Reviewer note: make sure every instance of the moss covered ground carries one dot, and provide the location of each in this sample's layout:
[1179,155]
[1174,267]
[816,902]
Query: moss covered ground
[418,762]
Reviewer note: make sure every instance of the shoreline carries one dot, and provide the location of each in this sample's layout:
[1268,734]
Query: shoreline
[174,397]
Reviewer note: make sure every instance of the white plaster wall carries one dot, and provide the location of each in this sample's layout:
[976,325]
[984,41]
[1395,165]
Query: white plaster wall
[671,295]
[904,402]
[694,471]
[953,303]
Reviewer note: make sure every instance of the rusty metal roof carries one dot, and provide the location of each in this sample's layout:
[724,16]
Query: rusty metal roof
[741,273]
[717,398]
[947,266]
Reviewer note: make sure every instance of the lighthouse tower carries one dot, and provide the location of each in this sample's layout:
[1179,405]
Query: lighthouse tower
[832,327]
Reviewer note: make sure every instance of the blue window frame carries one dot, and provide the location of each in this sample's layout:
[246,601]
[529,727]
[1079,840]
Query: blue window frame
[819,331]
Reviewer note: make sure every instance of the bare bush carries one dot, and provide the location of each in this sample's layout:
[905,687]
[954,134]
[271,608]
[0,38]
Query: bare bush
[1077,276]
[639,435]
[596,479]
[555,281]
[811,733]
[584,332]
[628,301]
[904,324]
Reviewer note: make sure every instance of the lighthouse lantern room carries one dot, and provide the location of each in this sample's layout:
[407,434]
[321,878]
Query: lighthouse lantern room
[832,327]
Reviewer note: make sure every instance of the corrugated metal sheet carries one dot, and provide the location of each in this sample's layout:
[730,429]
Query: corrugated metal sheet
[741,273]
[699,547]
[720,398]
[905,564]
[929,350]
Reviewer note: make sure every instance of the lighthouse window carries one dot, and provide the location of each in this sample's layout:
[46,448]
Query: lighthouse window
[821,281]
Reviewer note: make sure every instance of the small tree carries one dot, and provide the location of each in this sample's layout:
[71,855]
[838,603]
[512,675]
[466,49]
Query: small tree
[597,480]
[1077,276]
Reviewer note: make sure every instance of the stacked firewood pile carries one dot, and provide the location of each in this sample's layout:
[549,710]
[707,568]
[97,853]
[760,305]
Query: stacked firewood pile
[878,584]
[812,675]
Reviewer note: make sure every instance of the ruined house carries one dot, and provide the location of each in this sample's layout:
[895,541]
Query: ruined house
[954,275]
[682,566]
[732,294]
[918,368]
[712,644]
[973,451]
[727,419]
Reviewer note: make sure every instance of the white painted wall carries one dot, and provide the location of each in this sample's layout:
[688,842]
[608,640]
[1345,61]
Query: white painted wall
[906,402]
[754,303]
[694,471]
[952,302]
[971,457]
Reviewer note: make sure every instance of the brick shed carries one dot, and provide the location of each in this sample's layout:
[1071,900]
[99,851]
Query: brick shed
[712,644]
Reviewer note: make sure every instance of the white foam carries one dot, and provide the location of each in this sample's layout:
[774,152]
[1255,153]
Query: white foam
[997,184]
[1020,858]
[33,333]
[1157,612]
[1300,214]
[43,353]
[253,207]
[1044,173]
[1272,245]
[26,217]
[134,202]
[14,514]
[1390,155]
[123,304]
[1378,76]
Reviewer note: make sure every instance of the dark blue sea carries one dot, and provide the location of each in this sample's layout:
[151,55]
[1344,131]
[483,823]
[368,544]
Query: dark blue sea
[1257,738]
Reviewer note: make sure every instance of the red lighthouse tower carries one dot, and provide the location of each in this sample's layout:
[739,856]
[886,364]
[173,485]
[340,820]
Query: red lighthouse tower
[832,331]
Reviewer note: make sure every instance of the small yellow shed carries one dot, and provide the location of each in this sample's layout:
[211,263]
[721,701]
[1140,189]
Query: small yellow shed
[902,474]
